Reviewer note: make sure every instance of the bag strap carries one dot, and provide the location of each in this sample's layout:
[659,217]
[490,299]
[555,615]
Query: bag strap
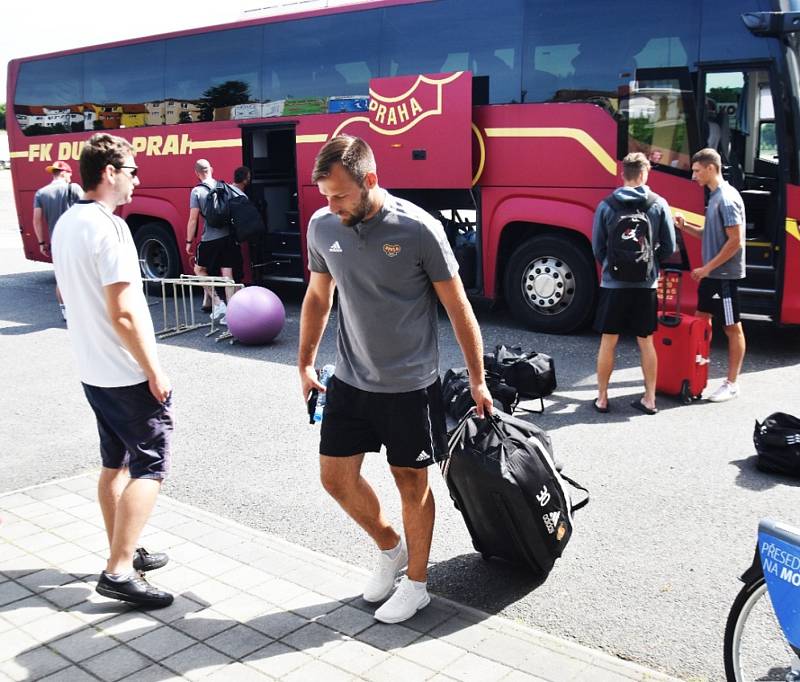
[575,484]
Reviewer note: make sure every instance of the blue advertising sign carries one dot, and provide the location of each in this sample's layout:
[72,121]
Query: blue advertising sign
[779,549]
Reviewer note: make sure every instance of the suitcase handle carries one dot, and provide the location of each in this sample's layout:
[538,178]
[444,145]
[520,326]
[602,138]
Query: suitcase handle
[665,318]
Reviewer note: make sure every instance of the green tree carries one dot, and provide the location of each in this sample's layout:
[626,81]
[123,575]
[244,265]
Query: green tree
[2,116]
[225,94]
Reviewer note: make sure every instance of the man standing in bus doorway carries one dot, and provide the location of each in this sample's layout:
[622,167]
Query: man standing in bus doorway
[114,345]
[723,262]
[217,253]
[390,262]
[628,303]
[49,204]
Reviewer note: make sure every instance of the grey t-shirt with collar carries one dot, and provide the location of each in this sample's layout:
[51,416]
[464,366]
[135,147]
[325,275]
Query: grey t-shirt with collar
[387,337]
[725,209]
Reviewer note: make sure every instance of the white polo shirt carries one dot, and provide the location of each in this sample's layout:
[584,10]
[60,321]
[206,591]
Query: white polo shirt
[92,249]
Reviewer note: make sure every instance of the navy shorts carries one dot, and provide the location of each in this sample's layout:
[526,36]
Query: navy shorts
[720,298]
[135,429]
[411,425]
[627,311]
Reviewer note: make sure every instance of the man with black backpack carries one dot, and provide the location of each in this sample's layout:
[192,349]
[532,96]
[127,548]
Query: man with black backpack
[632,232]
[217,253]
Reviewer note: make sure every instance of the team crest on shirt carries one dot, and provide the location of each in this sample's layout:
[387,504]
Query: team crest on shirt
[391,250]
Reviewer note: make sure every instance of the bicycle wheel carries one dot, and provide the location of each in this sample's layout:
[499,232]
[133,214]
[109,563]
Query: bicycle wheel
[755,646]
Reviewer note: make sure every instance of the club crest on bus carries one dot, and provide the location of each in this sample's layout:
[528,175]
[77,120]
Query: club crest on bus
[394,115]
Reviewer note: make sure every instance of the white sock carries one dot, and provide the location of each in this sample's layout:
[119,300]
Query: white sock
[392,553]
[117,577]
[418,585]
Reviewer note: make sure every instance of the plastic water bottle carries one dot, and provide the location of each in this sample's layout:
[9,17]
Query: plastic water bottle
[324,377]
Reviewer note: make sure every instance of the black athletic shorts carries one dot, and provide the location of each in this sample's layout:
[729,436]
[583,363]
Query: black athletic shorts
[135,429]
[720,298]
[411,425]
[627,311]
[220,253]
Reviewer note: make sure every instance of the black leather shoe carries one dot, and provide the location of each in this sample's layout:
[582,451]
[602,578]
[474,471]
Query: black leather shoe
[144,561]
[135,590]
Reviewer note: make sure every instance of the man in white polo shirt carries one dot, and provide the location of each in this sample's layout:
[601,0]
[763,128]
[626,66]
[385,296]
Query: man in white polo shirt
[112,338]
[391,264]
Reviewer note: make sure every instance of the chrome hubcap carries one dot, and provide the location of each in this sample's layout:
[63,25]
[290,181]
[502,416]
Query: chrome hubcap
[548,285]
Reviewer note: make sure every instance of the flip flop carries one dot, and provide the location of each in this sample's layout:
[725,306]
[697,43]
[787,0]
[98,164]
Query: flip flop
[597,407]
[639,405]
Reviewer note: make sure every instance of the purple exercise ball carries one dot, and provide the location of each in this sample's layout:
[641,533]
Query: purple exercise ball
[255,315]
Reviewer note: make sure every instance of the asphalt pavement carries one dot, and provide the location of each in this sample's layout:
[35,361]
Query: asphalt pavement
[651,569]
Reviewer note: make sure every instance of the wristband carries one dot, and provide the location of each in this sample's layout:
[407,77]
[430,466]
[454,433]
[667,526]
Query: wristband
[42,243]
[190,241]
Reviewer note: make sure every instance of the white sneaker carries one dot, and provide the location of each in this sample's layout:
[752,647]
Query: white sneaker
[381,582]
[63,311]
[405,602]
[726,391]
[219,311]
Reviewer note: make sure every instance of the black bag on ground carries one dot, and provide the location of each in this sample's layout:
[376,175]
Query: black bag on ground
[777,442]
[216,207]
[246,220]
[502,478]
[532,374]
[458,399]
[631,249]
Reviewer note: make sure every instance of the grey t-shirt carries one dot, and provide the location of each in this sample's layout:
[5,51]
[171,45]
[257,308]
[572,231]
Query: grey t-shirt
[725,209]
[197,199]
[387,337]
[54,200]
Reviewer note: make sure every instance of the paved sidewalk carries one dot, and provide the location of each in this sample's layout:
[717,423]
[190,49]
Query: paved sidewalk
[266,609]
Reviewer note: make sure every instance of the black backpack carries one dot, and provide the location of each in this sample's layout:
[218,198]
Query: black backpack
[631,244]
[515,501]
[246,220]
[777,442]
[216,209]
[458,398]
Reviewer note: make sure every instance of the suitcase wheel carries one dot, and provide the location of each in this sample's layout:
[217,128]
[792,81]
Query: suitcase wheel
[686,394]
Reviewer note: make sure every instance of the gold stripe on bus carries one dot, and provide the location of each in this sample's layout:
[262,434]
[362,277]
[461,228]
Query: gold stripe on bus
[301,139]
[19,155]
[420,79]
[580,136]
[691,218]
[482,162]
[216,144]
[791,228]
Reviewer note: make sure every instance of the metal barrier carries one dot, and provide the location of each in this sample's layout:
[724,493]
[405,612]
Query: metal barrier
[183,302]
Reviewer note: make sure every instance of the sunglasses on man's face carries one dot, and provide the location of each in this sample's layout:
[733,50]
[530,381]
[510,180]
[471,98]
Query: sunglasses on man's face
[134,170]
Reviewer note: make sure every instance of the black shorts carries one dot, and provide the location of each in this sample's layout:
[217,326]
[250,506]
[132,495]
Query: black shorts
[720,298]
[627,311]
[220,253]
[411,425]
[135,429]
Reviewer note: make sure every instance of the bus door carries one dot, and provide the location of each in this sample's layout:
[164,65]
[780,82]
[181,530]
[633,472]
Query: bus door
[269,152]
[743,123]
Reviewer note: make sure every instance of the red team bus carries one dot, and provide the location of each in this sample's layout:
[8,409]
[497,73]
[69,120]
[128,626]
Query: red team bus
[506,119]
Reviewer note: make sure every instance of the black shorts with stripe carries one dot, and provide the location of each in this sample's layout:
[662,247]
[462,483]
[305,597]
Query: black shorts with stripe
[720,298]
[411,425]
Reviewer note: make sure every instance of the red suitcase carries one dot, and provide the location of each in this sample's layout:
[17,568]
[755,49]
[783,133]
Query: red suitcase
[682,345]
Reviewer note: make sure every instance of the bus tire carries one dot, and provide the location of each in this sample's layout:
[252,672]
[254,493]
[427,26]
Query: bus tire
[551,284]
[157,252]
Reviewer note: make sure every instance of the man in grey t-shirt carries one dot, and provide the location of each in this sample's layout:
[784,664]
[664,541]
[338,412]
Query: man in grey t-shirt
[723,261]
[390,262]
[49,204]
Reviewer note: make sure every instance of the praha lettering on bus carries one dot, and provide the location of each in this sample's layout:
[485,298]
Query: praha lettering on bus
[150,145]
[393,114]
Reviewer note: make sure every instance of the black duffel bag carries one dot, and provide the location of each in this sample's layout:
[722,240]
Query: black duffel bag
[502,477]
[777,442]
[532,374]
[458,398]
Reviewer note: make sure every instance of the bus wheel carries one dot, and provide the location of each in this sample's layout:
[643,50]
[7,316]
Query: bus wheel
[550,285]
[158,255]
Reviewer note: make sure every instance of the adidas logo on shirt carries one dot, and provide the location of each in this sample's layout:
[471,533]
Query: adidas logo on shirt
[335,248]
